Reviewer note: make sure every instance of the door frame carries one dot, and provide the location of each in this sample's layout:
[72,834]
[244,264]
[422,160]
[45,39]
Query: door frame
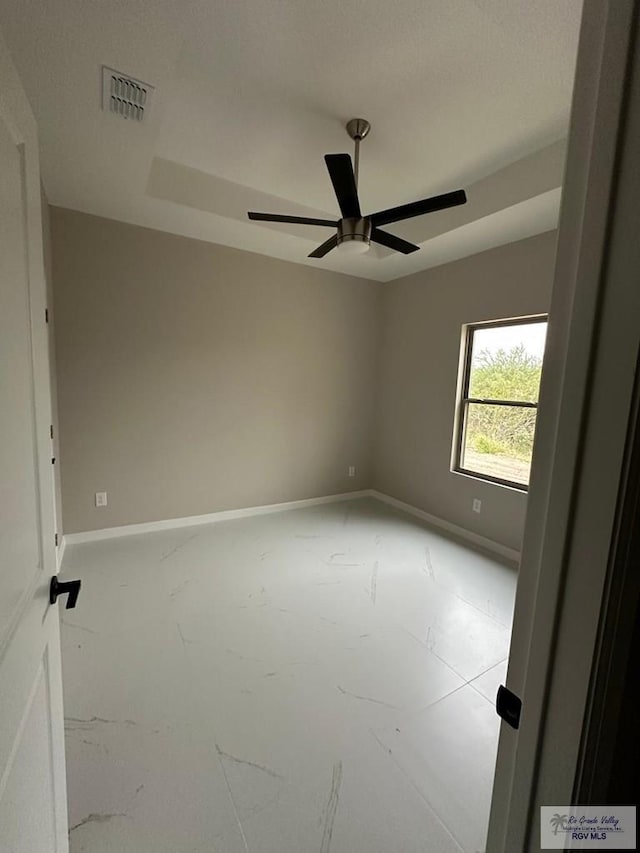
[585,405]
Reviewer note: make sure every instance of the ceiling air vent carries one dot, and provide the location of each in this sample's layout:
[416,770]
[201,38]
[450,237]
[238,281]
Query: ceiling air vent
[124,95]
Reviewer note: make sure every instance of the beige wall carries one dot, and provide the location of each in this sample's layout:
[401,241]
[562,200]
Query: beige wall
[194,378]
[420,348]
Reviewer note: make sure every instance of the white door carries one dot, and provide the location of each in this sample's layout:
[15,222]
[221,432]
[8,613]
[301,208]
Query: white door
[33,810]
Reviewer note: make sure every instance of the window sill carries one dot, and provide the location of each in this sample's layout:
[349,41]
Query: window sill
[504,484]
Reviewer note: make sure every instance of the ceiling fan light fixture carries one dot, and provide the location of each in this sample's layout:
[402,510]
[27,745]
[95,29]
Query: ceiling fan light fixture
[354,236]
[353,246]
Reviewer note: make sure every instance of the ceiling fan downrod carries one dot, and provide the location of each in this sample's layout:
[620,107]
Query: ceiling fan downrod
[357,128]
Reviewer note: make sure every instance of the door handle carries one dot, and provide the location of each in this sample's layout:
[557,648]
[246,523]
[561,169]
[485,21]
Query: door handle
[70,588]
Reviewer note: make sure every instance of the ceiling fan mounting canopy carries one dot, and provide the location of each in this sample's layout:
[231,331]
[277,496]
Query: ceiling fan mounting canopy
[358,128]
[355,232]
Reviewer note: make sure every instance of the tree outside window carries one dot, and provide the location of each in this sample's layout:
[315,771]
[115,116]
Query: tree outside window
[499,401]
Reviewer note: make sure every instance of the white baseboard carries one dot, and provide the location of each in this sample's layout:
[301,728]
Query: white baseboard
[209,518]
[483,542]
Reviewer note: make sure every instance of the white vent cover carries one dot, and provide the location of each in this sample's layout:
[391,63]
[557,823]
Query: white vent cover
[124,95]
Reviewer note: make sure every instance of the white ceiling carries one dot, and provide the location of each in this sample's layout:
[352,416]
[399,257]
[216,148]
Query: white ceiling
[249,95]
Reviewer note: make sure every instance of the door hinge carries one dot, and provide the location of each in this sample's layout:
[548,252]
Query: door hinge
[56,540]
[51,430]
[53,460]
[509,707]
[46,315]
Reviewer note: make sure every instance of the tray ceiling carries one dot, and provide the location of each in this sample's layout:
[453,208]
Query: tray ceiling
[249,95]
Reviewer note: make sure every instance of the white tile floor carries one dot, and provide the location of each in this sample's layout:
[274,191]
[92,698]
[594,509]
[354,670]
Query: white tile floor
[316,681]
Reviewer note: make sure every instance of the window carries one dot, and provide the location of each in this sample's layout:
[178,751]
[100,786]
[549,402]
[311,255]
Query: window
[499,400]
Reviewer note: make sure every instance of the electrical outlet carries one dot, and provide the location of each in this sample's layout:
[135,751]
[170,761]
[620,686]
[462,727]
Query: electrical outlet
[477,505]
[352,470]
[101,498]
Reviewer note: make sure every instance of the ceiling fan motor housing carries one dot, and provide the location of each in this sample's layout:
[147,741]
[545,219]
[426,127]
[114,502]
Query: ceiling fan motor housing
[354,229]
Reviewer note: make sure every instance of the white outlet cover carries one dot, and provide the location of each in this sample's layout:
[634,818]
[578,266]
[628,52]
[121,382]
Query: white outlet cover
[101,498]
[477,504]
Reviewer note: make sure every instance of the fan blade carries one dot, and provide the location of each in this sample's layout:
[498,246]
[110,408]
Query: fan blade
[417,208]
[344,184]
[393,242]
[296,220]
[326,247]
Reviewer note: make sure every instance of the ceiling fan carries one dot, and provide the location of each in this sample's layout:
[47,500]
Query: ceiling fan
[355,232]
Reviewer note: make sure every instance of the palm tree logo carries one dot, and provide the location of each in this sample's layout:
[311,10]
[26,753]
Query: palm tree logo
[557,822]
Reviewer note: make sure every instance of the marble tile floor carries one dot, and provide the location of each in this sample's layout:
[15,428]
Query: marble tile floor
[313,681]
